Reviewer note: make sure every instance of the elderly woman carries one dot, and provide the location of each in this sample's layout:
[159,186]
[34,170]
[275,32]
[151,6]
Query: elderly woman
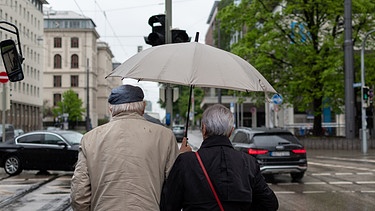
[237,183]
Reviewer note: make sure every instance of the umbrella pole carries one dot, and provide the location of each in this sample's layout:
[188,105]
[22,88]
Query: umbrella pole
[188,111]
[191,91]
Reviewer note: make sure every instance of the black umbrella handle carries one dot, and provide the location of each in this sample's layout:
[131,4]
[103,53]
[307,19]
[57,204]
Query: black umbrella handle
[188,112]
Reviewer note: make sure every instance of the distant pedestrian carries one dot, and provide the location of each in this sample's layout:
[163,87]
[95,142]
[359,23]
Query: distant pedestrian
[123,164]
[237,183]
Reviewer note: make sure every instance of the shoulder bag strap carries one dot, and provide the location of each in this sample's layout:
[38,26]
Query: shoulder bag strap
[209,181]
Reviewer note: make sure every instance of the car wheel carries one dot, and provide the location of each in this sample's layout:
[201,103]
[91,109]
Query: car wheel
[12,165]
[297,176]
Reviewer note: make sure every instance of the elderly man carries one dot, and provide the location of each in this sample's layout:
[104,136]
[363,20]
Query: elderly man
[237,183]
[123,164]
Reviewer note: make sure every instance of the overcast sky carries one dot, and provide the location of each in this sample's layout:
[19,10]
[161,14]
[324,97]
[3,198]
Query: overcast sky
[124,23]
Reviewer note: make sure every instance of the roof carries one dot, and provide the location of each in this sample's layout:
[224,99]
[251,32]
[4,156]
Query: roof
[54,14]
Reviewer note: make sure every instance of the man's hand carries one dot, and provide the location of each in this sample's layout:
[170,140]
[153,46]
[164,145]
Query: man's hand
[184,146]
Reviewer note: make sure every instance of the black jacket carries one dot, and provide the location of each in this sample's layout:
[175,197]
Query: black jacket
[235,175]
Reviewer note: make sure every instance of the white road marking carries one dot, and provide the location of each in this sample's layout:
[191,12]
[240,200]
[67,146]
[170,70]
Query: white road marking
[365,182]
[340,183]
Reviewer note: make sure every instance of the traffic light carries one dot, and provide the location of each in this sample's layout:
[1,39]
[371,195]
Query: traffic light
[179,36]
[370,95]
[365,96]
[157,36]
[365,93]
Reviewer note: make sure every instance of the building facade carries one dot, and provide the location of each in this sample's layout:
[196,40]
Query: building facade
[25,97]
[75,59]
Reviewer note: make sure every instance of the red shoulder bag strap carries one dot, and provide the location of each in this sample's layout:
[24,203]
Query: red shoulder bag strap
[209,181]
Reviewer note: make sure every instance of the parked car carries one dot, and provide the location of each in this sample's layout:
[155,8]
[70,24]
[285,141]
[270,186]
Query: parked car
[9,132]
[41,150]
[277,151]
[179,132]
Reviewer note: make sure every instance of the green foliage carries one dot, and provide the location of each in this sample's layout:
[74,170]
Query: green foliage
[180,107]
[71,105]
[299,49]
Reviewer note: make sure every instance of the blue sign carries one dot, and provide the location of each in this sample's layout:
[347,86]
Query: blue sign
[168,119]
[277,99]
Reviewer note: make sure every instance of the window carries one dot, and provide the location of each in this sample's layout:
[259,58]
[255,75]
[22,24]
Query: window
[74,61]
[57,81]
[52,139]
[31,139]
[240,137]
[57,42]
[57,61]
[56,99]
[74,80]
[74,42]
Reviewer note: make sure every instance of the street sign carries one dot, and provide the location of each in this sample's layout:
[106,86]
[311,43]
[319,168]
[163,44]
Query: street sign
[3,77]
[357,85]
[277,99]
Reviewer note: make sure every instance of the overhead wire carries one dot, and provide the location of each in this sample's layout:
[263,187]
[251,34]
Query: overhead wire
[110,25]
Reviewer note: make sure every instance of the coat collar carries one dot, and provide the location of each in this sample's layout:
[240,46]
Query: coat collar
[213,141]
[127,115]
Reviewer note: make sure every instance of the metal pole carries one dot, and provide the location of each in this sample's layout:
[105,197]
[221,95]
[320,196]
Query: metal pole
[88,98]
[168,39]
[3,111]
[363,108]
[218,46]
[349,90]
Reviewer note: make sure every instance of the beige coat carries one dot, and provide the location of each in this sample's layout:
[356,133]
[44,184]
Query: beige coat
[122,165]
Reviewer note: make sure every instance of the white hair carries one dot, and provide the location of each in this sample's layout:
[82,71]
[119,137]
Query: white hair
[138,107]
[218,120]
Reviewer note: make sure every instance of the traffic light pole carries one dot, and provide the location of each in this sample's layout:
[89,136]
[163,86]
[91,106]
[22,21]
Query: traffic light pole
[364,122]
[168,39]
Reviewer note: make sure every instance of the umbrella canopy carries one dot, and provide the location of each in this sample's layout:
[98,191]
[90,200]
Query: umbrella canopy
[193,64]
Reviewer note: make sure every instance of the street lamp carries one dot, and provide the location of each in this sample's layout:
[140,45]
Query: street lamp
[364,123]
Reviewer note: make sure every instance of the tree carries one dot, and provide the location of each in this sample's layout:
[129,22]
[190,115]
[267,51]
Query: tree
[72,105]
[180,107]
[298,46]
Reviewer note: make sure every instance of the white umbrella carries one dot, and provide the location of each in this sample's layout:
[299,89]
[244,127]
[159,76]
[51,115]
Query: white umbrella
[193,64]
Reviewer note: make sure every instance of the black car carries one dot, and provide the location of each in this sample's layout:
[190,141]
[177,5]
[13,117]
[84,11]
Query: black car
[277,151]
[41,150]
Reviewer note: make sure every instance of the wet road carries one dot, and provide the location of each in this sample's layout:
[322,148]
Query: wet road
[335,180]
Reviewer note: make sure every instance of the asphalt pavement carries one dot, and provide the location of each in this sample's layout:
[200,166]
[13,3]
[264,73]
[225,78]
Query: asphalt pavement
[195,140]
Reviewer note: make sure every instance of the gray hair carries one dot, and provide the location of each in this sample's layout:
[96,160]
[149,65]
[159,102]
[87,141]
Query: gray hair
[218,120]
[138,107]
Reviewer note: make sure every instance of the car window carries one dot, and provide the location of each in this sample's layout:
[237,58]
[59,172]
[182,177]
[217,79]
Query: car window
[240,137]
[51,139]
[274,139]
[73,138]
[31,139]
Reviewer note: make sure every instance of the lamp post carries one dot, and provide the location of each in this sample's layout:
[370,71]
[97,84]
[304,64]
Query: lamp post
[364,123]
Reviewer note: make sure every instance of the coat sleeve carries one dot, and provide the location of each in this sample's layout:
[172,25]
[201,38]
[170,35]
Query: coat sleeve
[172,155]
[264,198]
[173,190]
[80,185]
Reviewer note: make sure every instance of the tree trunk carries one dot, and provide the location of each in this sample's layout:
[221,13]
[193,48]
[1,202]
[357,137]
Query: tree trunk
[317,106]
